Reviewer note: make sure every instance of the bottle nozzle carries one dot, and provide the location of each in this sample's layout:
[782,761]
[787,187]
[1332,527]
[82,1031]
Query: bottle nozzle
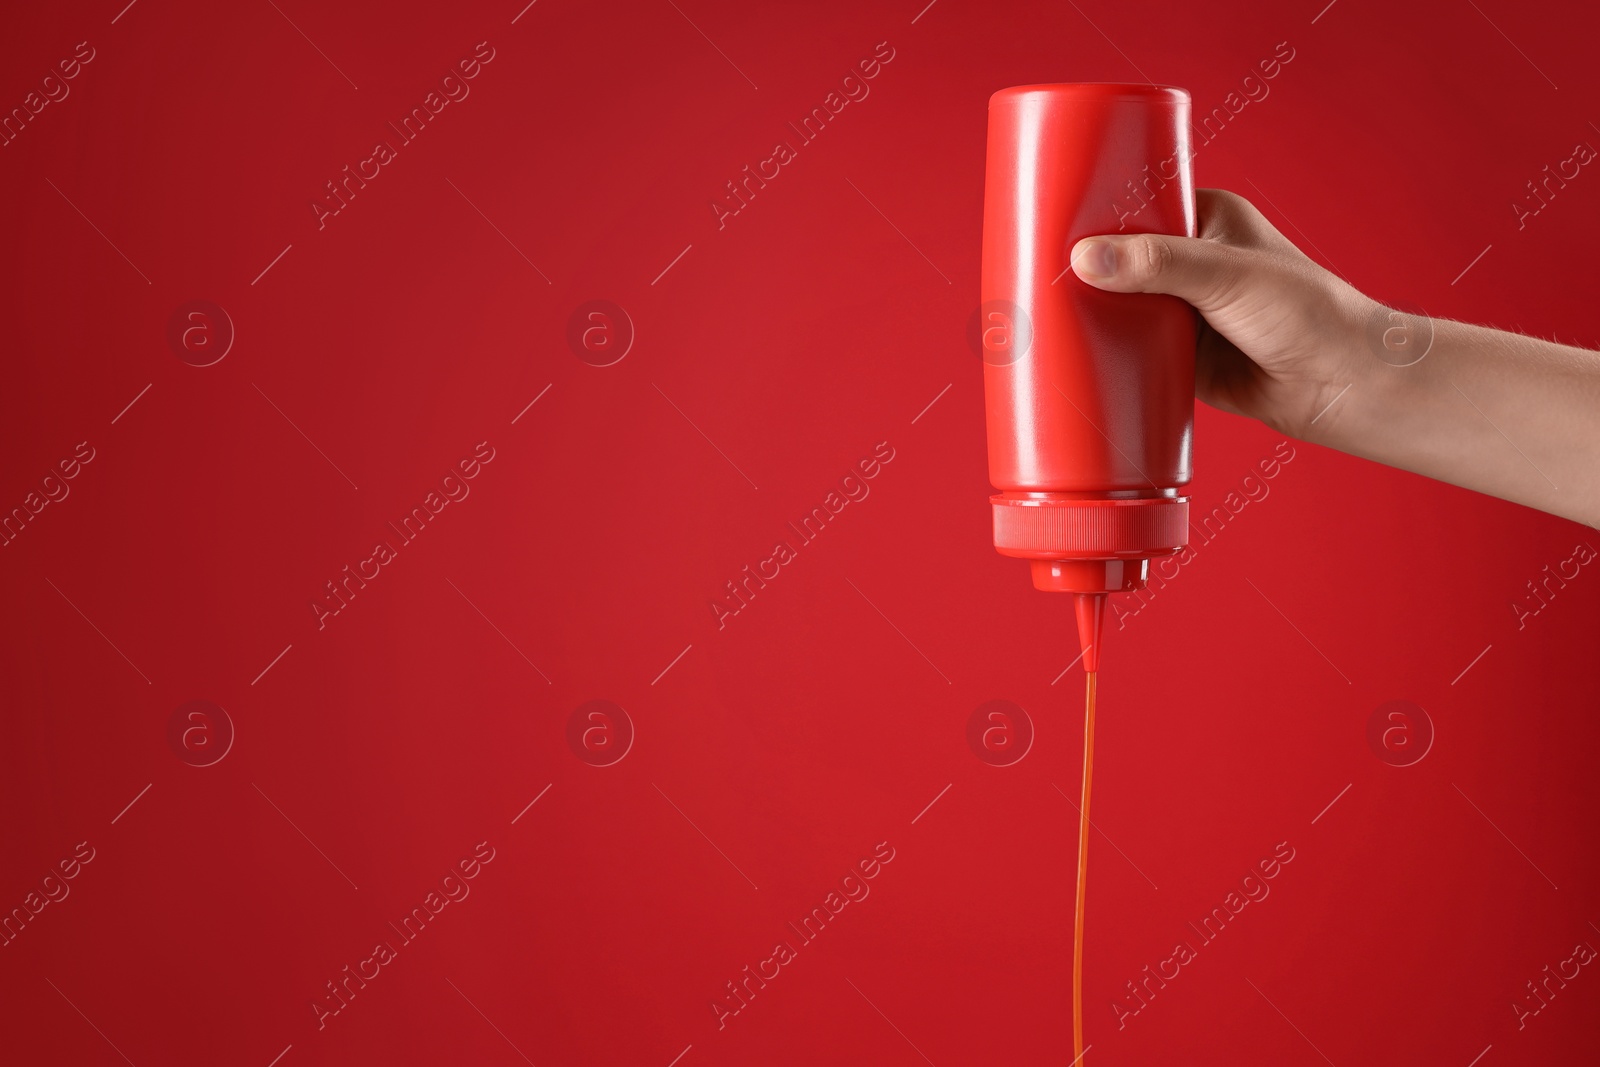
[1090,581]
[1091,609]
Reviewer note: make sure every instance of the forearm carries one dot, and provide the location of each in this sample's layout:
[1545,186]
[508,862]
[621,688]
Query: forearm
[1512,416]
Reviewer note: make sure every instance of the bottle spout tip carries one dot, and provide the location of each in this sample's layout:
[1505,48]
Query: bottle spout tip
[1091,611]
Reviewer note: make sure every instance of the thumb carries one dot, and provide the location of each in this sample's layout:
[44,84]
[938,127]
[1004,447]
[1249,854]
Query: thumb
[1202,272]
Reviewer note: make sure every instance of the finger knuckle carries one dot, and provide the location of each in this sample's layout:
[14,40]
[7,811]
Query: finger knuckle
[1149,256]
[1233,219]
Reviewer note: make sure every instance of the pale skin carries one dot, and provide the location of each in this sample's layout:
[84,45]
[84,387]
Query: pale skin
[1284,341]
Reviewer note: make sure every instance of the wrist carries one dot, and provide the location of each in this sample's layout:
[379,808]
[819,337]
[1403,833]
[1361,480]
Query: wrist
[1343,360]
[1374,379]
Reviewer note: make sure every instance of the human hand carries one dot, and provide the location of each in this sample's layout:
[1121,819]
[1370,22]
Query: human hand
[1280,335]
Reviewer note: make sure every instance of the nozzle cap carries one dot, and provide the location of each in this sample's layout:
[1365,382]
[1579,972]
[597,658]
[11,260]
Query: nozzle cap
[1090,575]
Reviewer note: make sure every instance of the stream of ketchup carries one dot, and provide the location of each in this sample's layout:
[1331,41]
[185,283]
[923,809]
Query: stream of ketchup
[1083,867]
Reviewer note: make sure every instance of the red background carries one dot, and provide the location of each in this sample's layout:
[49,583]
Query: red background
[419,721]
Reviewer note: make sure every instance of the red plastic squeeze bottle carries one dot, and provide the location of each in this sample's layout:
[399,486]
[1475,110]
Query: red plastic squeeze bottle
[1090,394]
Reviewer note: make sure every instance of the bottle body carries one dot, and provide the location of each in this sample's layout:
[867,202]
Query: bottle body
[1089,394]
